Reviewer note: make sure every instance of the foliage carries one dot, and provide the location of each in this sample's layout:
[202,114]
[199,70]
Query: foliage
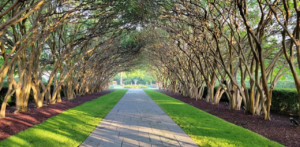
[69,128]
[205,129]
[143,77]
[1,60]
[286,84]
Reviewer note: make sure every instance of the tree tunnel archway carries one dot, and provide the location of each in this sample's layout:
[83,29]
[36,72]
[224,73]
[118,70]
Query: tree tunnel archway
[190,44]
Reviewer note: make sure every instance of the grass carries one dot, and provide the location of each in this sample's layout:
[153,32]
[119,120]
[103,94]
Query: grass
[206,129]
[69,128]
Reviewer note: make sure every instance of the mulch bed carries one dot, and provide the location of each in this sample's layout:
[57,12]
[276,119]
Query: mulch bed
[278,129]
[15,123]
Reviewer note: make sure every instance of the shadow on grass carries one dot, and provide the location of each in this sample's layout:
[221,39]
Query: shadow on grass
[206,129]
[69,128]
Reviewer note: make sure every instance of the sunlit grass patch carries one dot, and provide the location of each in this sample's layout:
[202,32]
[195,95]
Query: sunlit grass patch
[69,128]
[206,129]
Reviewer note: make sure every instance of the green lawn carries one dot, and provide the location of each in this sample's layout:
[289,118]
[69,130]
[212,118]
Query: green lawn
[206,129]
[69,128]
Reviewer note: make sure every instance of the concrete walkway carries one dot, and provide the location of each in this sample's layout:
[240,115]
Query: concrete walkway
[137,120]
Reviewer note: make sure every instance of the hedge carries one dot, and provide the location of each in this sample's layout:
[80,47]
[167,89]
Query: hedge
[284,100]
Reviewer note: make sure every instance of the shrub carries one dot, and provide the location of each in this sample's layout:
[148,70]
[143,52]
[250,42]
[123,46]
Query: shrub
[285,100]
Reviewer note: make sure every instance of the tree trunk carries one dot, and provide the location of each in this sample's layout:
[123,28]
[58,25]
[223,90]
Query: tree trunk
[36,94]
[70,92]
[218,95]
[210,92]
[238,100]
[201,92]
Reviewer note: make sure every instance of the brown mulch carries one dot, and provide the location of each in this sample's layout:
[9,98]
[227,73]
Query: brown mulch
[15,123]
[278,129]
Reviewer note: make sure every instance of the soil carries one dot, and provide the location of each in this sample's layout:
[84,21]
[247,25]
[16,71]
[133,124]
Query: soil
[278,128]
[15,123]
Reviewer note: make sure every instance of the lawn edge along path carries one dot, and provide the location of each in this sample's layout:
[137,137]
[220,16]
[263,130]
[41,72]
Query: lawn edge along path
[71,127]
[206,129]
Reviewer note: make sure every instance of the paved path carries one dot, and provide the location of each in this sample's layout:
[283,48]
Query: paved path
[137,120]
